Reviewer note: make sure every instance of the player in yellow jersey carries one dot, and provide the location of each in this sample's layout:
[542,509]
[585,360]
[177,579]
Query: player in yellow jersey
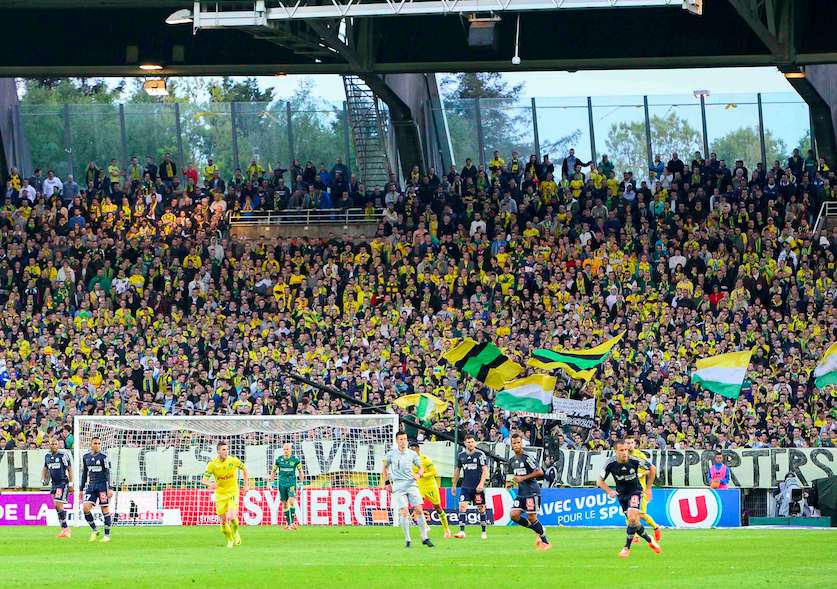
[634,452]
[428,486]
[224,469]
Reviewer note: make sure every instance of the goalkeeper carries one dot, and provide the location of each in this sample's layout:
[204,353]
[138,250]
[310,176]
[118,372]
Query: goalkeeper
[287,465]
[428,486]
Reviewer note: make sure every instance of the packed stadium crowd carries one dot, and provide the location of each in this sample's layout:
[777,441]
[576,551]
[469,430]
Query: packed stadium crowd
[122,293]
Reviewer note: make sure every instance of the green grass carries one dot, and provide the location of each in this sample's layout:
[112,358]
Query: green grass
[369,558]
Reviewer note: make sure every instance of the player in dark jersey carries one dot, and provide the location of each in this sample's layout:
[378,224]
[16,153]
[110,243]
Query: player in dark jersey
[95,484]
[474,466]
[525,475]
[59,475]
[625,472]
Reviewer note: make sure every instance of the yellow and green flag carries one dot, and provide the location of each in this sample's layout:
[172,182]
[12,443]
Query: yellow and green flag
[826,371]
[580,364]
[427,406]
[723,374]
[484,362]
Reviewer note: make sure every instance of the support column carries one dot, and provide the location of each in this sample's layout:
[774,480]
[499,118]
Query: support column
[762,145]
[68,141]
[535,128]
[648,147]
[703,124]
[593,155]
[234,132]
[289,120]
[346,150]
[480,136]
[179,130]
[123,137]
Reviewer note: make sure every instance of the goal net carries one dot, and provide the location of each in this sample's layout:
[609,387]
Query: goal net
[157,464]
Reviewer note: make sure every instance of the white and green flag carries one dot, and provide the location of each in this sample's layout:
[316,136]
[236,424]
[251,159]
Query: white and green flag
[532,394]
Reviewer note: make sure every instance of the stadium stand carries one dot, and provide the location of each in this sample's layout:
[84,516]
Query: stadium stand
[128,297]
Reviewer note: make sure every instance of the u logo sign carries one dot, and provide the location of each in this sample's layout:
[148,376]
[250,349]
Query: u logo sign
[694,508]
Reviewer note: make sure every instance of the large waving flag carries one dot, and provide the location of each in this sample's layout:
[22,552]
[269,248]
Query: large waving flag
[427,406]
[826,371]
[723,374]
[532,394]
[578,364]
[485,362]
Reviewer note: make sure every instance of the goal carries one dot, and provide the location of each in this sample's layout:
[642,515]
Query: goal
[157,464]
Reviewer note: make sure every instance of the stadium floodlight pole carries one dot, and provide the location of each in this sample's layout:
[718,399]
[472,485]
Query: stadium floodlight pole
[377,409]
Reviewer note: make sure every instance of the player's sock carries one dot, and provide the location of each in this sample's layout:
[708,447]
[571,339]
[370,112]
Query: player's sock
[405,525]
[650,521]
[88,517]
[225,529]
[292,515]
[108,522]
[422,524]
[482,521]
[640,531]
[62,517]
[537,527]
[522,522]
[234,527]
[287,513]
[444,519]
[631,531]
[461,522]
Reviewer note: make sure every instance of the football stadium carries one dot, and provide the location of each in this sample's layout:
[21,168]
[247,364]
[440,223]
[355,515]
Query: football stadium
[417,293]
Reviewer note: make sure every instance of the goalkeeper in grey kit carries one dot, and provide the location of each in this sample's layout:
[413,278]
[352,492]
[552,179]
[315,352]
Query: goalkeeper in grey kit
[398,475]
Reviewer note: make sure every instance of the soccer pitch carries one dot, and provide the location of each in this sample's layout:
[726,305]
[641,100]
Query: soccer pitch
[375,557]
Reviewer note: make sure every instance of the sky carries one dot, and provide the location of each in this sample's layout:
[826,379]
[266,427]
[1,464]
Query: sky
[598,83]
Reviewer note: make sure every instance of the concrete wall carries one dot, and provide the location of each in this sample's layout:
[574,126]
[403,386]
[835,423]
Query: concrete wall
[819,90]
[13,149]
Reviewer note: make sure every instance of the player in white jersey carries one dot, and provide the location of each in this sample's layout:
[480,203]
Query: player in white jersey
[399,478]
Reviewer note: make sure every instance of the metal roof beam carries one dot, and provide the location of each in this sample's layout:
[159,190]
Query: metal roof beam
[206,15]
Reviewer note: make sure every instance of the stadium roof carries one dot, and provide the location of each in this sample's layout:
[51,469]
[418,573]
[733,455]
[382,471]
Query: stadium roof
[111,37]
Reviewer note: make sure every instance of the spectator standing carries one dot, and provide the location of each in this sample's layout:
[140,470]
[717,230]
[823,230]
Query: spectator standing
[51,184]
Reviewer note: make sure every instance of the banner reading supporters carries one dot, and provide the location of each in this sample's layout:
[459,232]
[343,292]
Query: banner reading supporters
[749,468]
[761,468]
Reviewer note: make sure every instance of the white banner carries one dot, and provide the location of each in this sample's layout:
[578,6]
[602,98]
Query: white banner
[152,465]
[578,413]
[761,468]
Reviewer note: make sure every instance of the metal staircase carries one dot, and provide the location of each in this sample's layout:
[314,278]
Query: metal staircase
[368,123]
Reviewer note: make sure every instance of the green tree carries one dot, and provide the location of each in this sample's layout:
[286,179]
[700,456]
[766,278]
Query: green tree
[506,125]
[93,122]
[626,145]
[744,144]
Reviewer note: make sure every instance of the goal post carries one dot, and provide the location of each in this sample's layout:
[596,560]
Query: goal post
[157,464]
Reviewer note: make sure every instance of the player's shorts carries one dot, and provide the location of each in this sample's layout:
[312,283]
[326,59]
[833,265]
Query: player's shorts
[60,492]
[95,496]
[225,503]
[286,492]
[472,496]
[430,491]
[632,500]
[404,496]
[529,504]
